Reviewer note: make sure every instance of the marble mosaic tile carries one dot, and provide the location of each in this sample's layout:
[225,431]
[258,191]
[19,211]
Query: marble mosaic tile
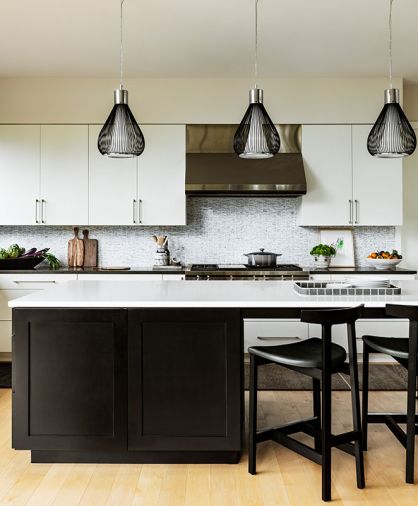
[219,230]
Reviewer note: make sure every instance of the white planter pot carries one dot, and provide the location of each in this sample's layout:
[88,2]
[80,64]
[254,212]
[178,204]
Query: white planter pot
[322,262]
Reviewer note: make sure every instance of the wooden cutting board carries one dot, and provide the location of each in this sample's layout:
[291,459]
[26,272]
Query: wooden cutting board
[91,248]
[75,250]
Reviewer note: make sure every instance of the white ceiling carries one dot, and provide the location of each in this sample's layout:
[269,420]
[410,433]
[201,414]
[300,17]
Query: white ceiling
[207,38]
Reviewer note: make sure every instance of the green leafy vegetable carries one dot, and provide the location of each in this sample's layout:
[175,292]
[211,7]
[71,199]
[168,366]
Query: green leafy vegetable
[15,251]
[324,250]
[52,260]
[3,254]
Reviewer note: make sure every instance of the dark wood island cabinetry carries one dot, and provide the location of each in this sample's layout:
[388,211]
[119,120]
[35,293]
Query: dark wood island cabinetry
[127,385]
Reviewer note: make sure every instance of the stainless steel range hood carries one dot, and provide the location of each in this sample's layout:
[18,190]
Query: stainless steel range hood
[212,168]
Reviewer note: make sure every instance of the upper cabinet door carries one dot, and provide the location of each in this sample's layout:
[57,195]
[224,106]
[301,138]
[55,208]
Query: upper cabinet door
[326,151]
[161,176]
[19,174]
[112,186]
[377,184]
[64,174]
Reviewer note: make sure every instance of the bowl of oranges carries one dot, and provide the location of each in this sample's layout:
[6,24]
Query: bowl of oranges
[383,260]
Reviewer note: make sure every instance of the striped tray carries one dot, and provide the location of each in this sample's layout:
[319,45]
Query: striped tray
[317,288]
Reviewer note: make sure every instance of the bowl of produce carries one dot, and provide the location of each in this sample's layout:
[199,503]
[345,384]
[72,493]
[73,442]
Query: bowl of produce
[17,258]
[382,260]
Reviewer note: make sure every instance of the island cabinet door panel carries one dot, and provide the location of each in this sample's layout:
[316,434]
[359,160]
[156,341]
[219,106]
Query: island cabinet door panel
[69,379]
[184,380]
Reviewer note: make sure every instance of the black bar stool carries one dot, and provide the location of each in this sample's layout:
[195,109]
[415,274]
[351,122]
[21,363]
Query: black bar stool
[319,359]
[405,351]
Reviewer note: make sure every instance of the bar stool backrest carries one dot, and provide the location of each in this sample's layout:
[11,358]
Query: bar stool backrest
[402,311]
[332,316]
[329,317]
[410,313]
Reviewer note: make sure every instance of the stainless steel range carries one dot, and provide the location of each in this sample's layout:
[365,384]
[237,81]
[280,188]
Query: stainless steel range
[240,272]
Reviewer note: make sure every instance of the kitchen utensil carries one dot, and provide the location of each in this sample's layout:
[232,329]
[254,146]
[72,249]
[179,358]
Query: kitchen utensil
[262,258]
[90,250]
[160,240]
[75,250]
[384,263]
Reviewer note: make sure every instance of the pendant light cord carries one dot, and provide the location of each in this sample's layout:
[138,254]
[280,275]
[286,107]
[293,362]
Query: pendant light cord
[390,43]
[256,45]
[121,44]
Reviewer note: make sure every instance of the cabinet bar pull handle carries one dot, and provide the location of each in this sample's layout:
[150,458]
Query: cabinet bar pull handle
[133,211]
[276,338]
[357,211]
[36,210]
[28,282]
[350,220]
[139,211]
[43,213]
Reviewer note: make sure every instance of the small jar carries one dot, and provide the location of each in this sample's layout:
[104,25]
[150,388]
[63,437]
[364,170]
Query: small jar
[161,257]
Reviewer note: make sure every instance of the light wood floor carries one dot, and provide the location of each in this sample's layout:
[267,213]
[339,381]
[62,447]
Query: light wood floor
[283,478]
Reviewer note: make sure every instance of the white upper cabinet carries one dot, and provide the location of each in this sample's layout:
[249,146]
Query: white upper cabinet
[161,176]
[64,174]
[346,185]
[19,173]
[377,184]
[112,186]
[326,153]
[55,175]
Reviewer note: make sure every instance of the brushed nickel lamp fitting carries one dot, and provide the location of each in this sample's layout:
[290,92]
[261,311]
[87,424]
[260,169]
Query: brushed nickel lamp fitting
[121,136]
[256,136]
[392,136]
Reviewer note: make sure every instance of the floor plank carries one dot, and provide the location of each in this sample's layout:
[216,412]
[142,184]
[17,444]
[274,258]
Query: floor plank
[283,477]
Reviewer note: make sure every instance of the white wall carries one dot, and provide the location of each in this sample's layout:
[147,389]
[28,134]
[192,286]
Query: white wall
[59,100]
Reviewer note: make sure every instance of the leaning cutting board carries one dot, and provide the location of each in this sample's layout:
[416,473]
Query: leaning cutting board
[90,250]
[75,250]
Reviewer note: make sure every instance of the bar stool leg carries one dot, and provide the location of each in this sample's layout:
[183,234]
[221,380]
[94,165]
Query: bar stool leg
[252,443]
[410,418]
[355,403]
[365,397]
[316,390]
[326,436]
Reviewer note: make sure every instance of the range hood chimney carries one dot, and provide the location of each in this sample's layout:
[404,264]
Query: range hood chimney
[212,167]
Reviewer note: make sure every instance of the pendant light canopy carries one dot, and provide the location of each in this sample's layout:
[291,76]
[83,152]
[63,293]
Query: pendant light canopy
[121,136]
[256,137]
[392,135]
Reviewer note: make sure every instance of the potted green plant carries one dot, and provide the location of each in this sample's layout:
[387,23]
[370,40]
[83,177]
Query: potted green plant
[322,254]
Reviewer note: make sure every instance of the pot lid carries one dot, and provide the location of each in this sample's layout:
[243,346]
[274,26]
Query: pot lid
[262,252]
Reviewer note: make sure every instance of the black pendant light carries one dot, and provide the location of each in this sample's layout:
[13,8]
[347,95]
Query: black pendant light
[121,136]
[392,136]
[256,137]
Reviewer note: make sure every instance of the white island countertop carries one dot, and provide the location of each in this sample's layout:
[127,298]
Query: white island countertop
[185,294]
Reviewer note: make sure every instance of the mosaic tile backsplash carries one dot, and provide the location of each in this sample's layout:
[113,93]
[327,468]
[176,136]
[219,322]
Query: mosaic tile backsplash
[219,230]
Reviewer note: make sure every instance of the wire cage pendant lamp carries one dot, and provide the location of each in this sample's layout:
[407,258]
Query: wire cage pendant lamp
[392,136]
[121,136]
[256,136]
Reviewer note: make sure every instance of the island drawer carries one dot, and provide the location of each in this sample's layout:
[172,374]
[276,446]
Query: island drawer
[273,332]
[33,281]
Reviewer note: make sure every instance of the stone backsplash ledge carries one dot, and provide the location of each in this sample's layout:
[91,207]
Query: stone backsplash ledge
[219,230]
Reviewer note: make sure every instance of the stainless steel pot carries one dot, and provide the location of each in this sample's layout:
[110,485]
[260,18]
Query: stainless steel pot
[262,258]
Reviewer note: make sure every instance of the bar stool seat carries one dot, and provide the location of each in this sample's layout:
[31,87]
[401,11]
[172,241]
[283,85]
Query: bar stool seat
[306,353]
[394,346]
